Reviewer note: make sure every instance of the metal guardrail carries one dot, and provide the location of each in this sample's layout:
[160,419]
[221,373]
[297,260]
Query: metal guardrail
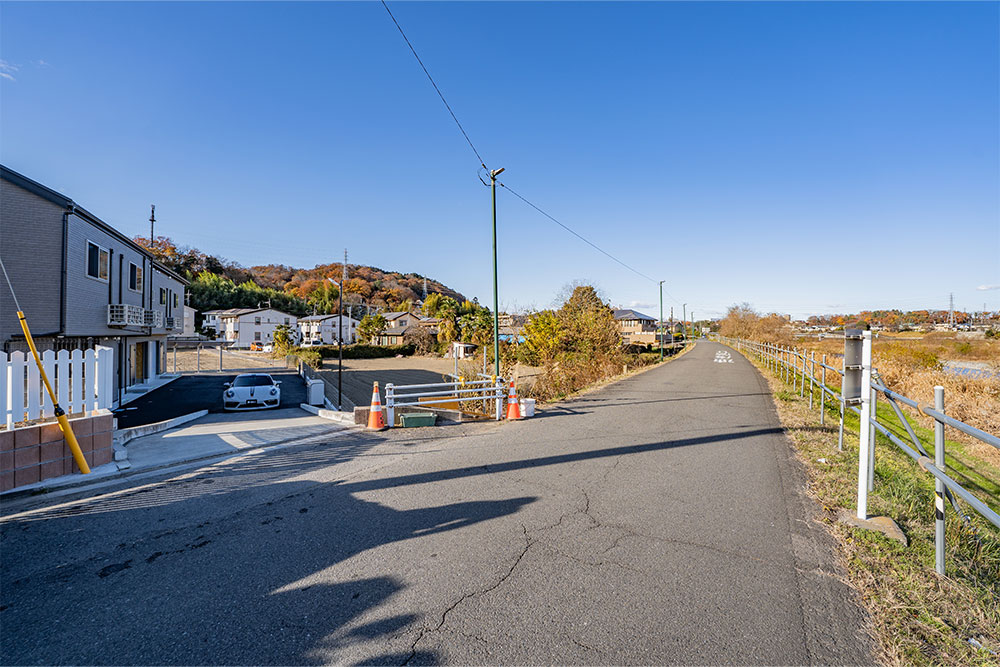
[797,368]
[459,391]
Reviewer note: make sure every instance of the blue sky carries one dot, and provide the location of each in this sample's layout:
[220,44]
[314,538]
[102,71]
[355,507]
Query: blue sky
[806,158]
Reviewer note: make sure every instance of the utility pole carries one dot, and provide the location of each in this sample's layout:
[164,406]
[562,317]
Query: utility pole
[496,300]
[951,311]
[660,323]
[152,220]
[340,337]
[692,323]
[671,327]
[684,321]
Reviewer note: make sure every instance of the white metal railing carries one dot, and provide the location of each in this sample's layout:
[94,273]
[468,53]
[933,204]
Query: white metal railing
[126,315]
[458,391]
[794,366]
[82,380]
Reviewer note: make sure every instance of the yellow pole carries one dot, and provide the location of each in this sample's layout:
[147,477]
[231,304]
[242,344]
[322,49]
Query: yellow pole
[74,446]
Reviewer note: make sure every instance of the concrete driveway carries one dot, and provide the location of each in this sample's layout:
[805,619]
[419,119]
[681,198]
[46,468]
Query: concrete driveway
[201,391]
[227,433]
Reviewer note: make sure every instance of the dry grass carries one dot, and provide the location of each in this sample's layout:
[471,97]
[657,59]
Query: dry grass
[916,616]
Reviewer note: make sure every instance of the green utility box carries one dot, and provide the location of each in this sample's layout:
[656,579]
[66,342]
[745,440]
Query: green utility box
[414,419]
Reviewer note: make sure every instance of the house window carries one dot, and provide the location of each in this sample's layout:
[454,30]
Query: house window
[134,277]
[97,261]
[256,320]
[163,297]
[177,300]
[286,320]
[256,335]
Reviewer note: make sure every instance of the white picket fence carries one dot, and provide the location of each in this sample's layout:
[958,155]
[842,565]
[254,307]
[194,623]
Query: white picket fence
[83,382]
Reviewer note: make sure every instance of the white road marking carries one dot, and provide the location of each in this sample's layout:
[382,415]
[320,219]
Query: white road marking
[723,357]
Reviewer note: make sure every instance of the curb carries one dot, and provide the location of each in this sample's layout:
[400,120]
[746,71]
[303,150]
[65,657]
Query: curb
[122,436]
[345,418]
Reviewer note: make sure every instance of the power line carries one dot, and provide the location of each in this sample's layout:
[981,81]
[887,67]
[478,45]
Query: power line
[483,163]
[431,79]
[584,239]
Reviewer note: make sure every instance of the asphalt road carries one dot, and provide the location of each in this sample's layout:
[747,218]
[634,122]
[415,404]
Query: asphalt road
[203,391]
[658,520]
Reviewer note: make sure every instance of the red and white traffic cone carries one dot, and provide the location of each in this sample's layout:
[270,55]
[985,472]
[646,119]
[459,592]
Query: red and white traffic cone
[513,406]
[375,419]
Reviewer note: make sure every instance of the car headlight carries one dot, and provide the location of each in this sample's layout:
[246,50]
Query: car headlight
[274,391]
[230,393]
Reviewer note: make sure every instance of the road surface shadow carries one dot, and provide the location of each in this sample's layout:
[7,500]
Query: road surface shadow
[250,584]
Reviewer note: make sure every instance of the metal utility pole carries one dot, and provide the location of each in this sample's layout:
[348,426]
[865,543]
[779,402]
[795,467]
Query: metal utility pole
[340,337]
[671,328]
[660,327]
[152,220]
[951,311]
[692,323]
[496,300]
[684,315]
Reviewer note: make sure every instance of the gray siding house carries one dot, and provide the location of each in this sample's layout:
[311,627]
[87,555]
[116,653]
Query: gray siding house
[82,283]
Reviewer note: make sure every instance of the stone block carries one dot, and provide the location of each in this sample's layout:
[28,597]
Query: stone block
[26,476]
[51,469]
[103,456]
[102,423]
[49,433]
[6,461]
[53,451]
[27,456]
[6,481]
[26,437]
[102,440]
[82,426]
[6,441]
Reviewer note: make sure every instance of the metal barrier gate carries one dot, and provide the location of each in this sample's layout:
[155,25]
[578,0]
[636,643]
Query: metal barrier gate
[466,395]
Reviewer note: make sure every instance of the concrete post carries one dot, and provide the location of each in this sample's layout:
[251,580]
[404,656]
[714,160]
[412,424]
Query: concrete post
[866,427]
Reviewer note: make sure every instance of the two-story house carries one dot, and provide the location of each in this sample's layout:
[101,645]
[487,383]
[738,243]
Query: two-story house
[635,327]
[322,329]
[83,283]
[241,327]
[396,324]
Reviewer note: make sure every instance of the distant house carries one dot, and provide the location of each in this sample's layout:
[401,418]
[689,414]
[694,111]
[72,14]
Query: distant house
[322,329]
[241,327]
[635,327]
[188,331]
[397,324]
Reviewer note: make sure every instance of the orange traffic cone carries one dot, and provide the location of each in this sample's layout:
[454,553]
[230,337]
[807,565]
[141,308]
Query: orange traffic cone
[375,418]
[513,406]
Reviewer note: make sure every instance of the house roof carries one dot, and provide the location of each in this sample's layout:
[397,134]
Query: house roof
[321,318]
[71,207]
[629,314]
[396,315]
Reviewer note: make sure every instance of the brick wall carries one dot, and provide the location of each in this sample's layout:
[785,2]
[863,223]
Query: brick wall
[35,453]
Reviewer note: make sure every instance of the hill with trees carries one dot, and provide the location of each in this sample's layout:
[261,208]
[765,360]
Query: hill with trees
[217,283]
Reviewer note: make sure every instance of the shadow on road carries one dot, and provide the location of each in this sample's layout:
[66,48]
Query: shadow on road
[243,587]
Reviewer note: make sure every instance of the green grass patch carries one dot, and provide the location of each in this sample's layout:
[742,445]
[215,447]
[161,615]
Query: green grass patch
[917,617]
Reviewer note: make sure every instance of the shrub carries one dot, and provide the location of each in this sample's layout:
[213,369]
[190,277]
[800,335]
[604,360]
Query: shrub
[310,357]
[420,338]
[362,351]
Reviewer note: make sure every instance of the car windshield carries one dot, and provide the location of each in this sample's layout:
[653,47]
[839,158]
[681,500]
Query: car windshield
[252,381]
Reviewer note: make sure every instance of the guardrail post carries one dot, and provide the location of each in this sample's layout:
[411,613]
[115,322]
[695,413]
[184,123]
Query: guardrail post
[866,427]
[220,357]
[812,373]
[939,535]
[802,380]
[822,391]
[871,442]
[390,405]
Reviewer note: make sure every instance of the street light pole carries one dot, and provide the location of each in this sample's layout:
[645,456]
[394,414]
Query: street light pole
[496,301]
[660,324]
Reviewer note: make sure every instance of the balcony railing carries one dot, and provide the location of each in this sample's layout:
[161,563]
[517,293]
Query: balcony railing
[126,315]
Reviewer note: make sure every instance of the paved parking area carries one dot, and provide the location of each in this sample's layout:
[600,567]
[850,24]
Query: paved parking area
[202,391]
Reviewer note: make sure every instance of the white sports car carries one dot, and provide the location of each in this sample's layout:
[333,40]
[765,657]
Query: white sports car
[252,391]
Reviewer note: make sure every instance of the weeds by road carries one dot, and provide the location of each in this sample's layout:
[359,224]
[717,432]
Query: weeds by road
[917,617]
